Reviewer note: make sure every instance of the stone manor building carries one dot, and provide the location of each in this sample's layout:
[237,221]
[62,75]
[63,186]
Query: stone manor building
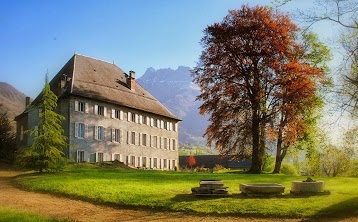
[109,116]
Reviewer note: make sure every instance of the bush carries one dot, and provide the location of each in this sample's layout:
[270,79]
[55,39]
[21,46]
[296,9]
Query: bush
[268,163]
[289,169]
[218,167]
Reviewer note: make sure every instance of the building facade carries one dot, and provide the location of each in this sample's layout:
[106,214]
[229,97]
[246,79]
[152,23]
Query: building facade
[109,116]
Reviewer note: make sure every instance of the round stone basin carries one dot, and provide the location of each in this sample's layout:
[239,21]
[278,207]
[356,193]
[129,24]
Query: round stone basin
[307,187]
[262,188]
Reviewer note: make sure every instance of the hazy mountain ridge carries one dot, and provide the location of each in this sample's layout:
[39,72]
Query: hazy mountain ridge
[175,90]
[12,101]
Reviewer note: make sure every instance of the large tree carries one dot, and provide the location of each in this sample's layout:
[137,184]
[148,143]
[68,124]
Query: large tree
[45,153]
[240,74]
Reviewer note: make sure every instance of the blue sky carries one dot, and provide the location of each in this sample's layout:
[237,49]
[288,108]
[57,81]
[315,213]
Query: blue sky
[41,35]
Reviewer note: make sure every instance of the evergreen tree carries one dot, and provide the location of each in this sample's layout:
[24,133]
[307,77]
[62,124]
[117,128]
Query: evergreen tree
[46,152]
[7,140]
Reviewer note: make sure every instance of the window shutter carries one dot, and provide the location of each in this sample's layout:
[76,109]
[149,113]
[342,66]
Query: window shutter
[121,115]
[135,138]
[121,136]
[96,109]
[129,137]
[113,113]
[104,111]
[129,116]
[76,105]
[148,140]
[136,118]
[86,108]
[148,119]
[113,134]
[140,119]
[176,127]
[151,122]
[76,130]
[77,156]
[104,133]
[96,132]
[158,123]
[140,139]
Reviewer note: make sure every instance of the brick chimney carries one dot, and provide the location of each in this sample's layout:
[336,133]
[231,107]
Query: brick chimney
[131,80]
[27,101]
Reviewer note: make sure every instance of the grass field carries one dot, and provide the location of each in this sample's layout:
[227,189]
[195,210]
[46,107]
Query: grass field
[172,191]
[7,215]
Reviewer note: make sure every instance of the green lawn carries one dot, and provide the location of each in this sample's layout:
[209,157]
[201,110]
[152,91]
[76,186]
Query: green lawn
[172,191]
[7,215]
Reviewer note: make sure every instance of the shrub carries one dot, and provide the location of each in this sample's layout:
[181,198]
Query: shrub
[218,167]
[289,169]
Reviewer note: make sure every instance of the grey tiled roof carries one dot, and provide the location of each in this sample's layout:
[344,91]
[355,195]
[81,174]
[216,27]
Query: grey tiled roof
[100,80]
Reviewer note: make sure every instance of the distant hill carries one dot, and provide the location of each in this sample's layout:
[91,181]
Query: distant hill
[175,90]
[12,101]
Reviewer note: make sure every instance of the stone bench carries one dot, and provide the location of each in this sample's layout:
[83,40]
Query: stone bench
[210,188]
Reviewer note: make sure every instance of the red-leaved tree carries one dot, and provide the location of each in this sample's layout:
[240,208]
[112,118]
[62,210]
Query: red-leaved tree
[191,161]
[242,74]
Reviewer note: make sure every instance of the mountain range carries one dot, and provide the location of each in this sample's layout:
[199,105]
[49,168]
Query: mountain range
[12,101]
[175,90]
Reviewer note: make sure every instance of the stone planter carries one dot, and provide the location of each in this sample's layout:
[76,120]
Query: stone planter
[263,189]
[304,187]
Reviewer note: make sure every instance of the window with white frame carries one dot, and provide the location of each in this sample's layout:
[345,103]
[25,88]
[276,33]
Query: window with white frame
[155,163]
[131,138]
[100,110]
[165,143]
[80,156]
[99,157]
[174,147]
[144,139]
[173,164]
[165,164]
[144,162]
[80,129]
[133,161]
[99,133]
[155,123]
[116,135]
[117,114]
[116,156]
[154,142]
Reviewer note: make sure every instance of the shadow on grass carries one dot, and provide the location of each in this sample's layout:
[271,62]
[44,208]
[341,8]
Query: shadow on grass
[348,209]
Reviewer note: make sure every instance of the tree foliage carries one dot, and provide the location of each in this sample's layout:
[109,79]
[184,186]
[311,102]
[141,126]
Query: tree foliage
[300,98]
[249,72]
[46,151]
[7,140]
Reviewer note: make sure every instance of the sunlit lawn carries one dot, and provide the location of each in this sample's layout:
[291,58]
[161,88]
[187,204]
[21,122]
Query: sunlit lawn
[172,191]
[7,215]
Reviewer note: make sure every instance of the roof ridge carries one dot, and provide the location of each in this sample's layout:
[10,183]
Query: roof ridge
[77,54]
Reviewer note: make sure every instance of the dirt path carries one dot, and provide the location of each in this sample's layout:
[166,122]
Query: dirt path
[53,206]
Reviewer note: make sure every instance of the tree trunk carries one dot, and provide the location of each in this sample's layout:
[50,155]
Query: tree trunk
[278,161]
[256,160]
